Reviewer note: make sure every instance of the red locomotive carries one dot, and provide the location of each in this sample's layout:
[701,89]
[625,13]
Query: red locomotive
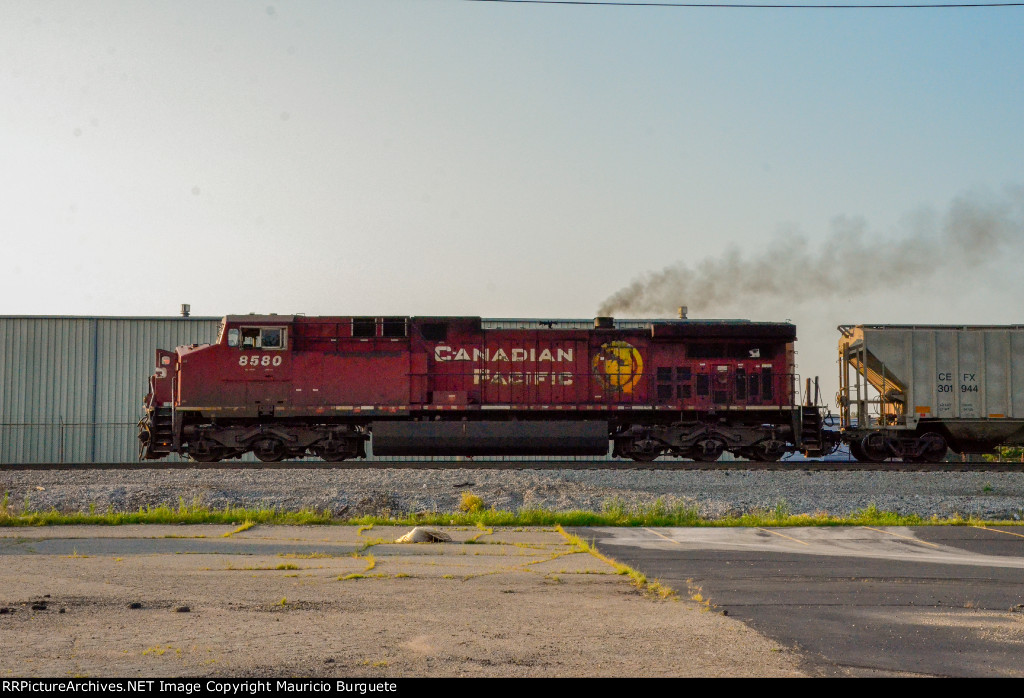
[284,386]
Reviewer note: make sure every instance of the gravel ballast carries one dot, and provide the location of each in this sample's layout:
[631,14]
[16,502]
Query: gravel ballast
[349,493]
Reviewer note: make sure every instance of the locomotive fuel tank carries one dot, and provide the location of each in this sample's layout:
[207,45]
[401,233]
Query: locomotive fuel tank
[490,438]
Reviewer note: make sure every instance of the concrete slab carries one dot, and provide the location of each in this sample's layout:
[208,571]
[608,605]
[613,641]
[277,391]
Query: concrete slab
[332,601]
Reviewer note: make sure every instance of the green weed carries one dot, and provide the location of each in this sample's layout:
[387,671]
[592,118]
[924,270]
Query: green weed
[244,527]
[163,514]
[638,578]
[471,503]
[613,513]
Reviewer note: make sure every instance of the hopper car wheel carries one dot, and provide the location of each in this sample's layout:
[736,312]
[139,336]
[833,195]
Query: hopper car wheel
[933,448]
[269,450]
[857,452]
[875,448]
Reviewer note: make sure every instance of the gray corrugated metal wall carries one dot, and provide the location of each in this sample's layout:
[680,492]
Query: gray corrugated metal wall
[71,388]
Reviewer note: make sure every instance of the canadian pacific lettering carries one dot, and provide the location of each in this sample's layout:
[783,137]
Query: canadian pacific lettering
[485,376]
[443,352]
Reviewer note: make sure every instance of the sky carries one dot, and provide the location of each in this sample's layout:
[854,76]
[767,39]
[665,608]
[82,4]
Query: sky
[445,157]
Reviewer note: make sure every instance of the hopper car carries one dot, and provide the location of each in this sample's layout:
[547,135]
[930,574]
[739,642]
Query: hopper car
[915,391]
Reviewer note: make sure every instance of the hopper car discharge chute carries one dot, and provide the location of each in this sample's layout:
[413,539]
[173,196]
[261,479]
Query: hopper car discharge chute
[282,386]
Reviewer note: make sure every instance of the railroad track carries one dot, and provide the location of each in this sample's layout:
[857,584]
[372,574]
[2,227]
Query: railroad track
[798,466]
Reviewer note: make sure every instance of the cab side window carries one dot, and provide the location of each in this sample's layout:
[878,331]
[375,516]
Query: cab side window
[250,338]
[272,338]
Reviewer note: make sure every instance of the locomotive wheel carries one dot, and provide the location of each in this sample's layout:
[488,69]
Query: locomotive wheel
[333,454]
[707,451]
[210,457]
[328,454]
[645,451]
[203,452]
[768,450]
[269,450]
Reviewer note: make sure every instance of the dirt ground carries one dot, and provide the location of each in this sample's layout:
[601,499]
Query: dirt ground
[140,601]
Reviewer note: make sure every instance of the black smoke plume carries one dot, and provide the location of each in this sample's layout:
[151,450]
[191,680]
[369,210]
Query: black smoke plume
[849,262]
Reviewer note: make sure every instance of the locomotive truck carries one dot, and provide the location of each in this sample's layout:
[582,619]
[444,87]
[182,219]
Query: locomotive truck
[291,386]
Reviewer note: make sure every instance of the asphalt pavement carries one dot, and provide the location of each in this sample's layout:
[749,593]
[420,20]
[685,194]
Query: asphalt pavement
[861,601]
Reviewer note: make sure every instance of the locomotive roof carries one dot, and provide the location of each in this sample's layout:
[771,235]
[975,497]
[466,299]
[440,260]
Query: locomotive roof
[508,323]
[618,323]
[659,327]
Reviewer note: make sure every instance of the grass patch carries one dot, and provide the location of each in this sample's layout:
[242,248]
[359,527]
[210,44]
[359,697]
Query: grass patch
[366,545]
[639,579]
[195,513]
[256,568]
[659,514]
[471,503]
[159,650]
[614,512]
[244,527]
[484,531]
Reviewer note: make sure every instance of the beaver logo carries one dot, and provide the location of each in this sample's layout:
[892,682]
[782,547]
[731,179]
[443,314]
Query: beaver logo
[618,366]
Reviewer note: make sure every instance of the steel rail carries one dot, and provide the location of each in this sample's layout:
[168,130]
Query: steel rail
[802,466]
